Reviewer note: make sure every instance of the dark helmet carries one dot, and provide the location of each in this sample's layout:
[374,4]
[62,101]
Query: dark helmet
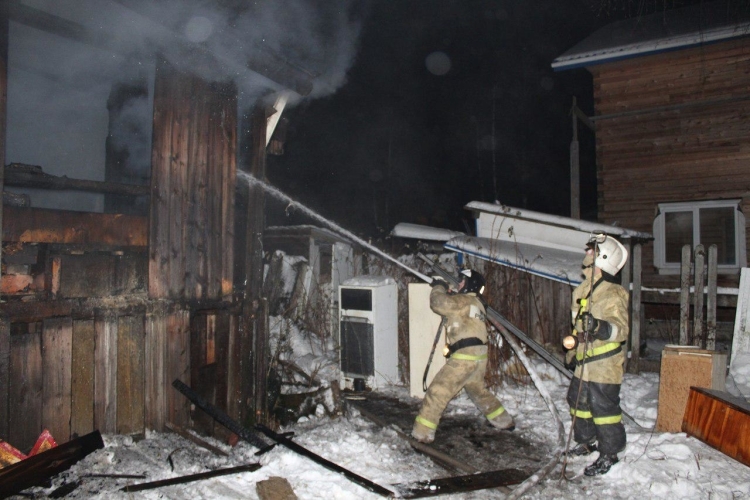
[474,281]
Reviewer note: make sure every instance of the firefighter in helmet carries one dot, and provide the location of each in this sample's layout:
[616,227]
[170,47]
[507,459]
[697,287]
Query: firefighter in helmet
[466,349]
[595,350]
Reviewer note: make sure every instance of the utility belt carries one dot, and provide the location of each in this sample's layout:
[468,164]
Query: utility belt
[450,349]
[602,352]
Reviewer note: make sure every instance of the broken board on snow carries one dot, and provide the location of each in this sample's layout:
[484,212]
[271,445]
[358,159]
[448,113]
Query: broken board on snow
[460,484]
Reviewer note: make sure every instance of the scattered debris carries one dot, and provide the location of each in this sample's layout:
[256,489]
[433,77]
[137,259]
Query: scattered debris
[195,439]
[38,469]
[190,478]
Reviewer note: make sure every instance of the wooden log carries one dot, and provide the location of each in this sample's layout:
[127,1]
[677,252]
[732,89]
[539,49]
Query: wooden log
[57,356]
[720,420]
[25,419]
[130,374]
[275,488]
[38,469]
[190,478]
[82,379]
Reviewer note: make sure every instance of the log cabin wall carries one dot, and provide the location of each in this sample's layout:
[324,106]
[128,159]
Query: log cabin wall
[682,134]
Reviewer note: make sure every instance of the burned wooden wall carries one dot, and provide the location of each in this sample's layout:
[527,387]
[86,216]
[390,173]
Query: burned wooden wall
[103,311]
[192,187]
[672,127]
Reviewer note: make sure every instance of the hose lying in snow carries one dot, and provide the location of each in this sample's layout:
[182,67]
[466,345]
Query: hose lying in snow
[494,319]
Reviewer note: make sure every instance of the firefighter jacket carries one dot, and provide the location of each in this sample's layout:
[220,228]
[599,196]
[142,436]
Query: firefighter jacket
[603,360]
[464,314]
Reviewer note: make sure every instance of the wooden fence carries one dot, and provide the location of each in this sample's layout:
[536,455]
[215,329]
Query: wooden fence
[701,331]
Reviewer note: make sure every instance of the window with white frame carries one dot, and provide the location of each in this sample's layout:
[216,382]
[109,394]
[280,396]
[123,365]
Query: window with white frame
[717,222]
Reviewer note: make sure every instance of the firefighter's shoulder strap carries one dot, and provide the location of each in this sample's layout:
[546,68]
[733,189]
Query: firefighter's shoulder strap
[432,353]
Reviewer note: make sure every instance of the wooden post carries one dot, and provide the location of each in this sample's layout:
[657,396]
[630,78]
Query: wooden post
[636,312]
[252,360]
[575,169]
[700,279]
[684,294]
[713,267]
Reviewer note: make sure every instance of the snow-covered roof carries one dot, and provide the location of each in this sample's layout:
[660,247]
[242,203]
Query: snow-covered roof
[553,263]
[420,232]
[699,24]
[305,230]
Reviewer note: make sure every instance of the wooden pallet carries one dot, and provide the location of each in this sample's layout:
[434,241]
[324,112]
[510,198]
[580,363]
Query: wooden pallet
[720,420]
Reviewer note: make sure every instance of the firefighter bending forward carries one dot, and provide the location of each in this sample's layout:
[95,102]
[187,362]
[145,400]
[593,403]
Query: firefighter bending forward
[596,351]
[466,333]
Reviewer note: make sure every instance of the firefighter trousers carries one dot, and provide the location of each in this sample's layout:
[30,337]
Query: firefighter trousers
[458,374]
[597,414]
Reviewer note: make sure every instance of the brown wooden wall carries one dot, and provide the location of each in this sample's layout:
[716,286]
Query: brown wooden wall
[193,178]
[112,371]
[698,148]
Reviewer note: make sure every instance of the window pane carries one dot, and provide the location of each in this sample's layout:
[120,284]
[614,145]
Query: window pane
[717,228]
[678,231]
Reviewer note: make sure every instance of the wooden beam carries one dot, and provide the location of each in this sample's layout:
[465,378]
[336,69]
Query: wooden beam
[38,225]
[31,176]
[636,308]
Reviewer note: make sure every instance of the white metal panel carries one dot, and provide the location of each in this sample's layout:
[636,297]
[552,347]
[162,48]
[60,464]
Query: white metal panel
[423,325]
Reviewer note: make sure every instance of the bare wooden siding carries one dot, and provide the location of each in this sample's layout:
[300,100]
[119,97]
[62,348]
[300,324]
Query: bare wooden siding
[192,187]
[683,135]
[540,307]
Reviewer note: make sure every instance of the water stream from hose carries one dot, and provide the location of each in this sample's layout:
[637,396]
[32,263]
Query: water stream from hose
[251,180]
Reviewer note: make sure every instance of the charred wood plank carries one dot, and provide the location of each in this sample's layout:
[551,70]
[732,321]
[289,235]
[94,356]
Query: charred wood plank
[195,439]
[191,478]
[461,484]
[355,478]
[221,417]
[30,176]
[37,469]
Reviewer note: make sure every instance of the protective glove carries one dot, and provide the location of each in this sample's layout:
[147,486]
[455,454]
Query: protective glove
[596,328]
[570,360]
[438,281]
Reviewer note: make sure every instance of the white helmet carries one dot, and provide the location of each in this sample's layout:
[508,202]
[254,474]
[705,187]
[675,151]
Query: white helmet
[611,254]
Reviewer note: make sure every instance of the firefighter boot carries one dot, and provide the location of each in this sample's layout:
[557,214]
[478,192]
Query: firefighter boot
[582,449]
[602,465]
[503,421]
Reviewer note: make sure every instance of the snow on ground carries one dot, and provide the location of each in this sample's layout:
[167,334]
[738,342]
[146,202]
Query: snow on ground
[654,465]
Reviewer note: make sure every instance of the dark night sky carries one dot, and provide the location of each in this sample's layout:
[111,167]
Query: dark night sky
[398,143]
